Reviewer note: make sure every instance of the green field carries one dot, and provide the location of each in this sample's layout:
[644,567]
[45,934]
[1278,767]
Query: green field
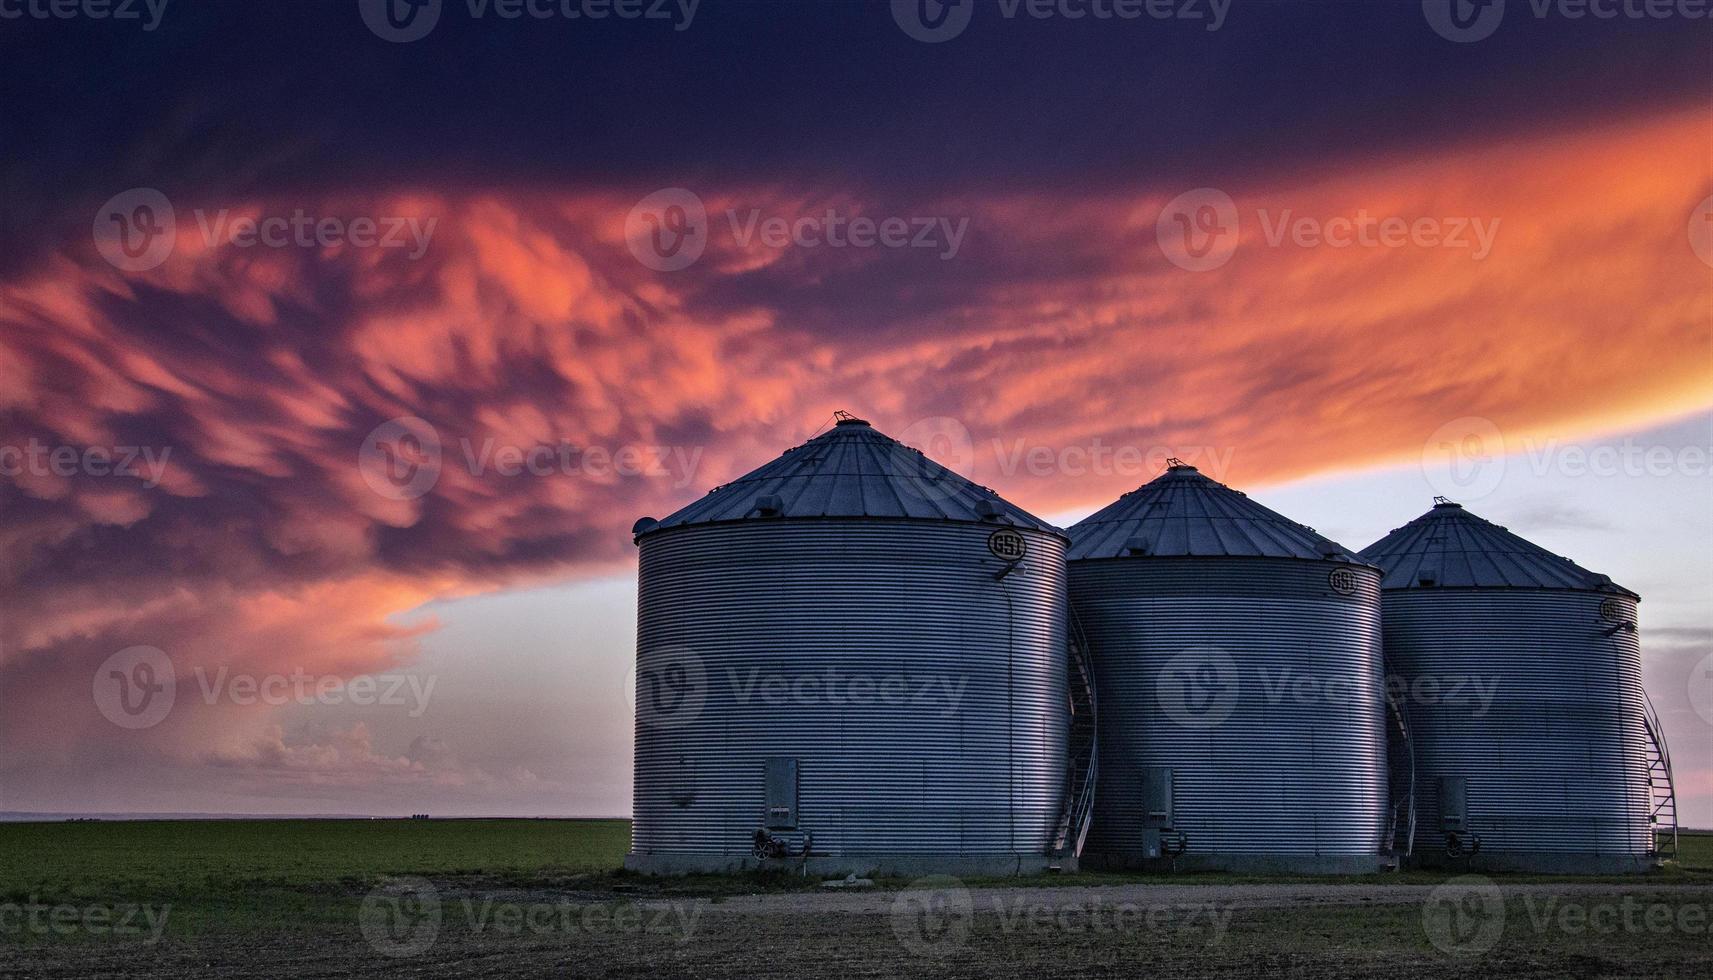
[286,873]
[250,897]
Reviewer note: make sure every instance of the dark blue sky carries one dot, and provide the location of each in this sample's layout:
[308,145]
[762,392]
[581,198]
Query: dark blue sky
[230,97]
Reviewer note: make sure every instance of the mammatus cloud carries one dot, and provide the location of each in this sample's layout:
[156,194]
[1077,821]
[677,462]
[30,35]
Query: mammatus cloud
[571,389]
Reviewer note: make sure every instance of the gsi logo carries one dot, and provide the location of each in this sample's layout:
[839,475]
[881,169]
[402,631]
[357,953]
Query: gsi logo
[1007,544]
[1342,580]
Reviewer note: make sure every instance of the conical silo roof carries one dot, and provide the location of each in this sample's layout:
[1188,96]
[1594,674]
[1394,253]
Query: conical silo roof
[1449,548]
[1183,513]
[851,471]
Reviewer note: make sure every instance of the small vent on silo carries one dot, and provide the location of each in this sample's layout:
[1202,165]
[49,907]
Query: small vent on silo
[1427,578]
[643,525]
[1137,545]
[769,505]
[989,510]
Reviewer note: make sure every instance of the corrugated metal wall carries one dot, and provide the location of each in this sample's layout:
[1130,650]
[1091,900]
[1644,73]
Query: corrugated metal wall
[1295,764]
[1556,762]
[967,756]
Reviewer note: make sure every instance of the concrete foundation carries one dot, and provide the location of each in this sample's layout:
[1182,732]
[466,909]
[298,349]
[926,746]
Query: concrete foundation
[1260,864]
[865,865]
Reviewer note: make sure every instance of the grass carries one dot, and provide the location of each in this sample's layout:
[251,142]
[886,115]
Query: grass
[249,874]
[303,875]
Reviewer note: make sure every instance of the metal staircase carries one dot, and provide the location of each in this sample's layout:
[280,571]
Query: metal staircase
[1662,793]
[1400,834]
[1083,751]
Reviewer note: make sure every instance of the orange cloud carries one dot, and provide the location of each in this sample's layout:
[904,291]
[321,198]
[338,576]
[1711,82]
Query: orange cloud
[527,323]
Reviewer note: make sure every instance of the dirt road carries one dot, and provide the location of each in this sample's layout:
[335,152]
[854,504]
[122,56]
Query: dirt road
[942,929]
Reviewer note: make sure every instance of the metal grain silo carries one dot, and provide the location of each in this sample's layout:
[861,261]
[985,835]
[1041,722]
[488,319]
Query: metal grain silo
[1534,743]
[851,658]
[1243,721]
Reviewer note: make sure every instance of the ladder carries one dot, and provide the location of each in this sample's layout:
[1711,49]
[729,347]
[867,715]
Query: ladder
[1662,792]
[1083,751]
[1400,834]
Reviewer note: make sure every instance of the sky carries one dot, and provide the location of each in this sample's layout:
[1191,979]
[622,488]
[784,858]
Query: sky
[336,363]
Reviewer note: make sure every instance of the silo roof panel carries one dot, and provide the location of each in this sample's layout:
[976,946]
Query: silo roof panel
[853,470]
[1448,547]
[1182,513]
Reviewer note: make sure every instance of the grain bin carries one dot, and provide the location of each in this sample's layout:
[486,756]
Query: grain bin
[1237,663]
[854,659]
[1534,749]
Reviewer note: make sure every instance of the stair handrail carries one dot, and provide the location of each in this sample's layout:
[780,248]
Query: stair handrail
[1656,735]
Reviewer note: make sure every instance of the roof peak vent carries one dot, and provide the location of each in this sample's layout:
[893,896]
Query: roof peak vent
[846,418]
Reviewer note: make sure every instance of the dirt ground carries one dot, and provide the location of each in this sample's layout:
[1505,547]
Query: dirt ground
[942,929]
